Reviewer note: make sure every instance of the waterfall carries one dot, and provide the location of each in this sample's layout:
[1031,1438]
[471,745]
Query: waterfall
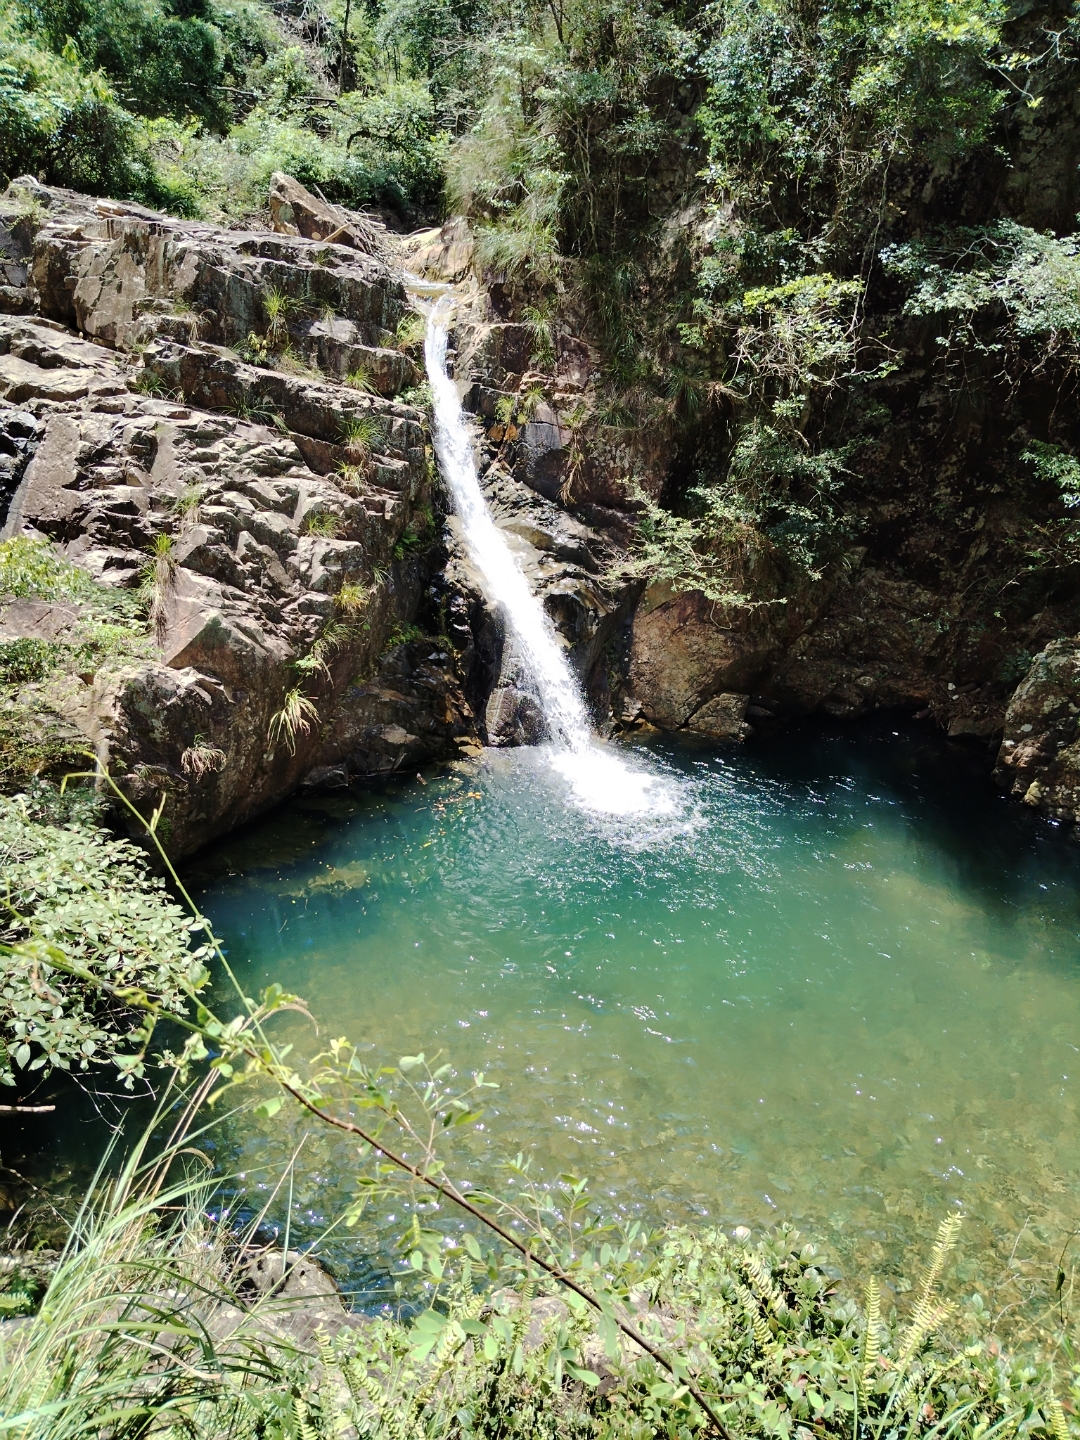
[598,778]
[544,658]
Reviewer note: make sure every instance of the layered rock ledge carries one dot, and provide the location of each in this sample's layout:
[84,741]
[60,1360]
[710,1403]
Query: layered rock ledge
[159,431]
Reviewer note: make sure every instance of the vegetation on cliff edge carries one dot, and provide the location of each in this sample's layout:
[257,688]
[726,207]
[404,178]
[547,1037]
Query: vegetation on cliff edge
[771,222]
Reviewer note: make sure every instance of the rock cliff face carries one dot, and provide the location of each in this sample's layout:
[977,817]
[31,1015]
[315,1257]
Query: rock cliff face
[934,612]
[283,518]
[217,417]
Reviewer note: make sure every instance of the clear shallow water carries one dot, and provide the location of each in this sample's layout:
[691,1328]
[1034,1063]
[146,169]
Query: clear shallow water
[838,983]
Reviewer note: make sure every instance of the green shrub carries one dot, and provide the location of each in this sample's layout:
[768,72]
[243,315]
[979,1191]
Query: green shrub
[1054,467]
[160,61]
[106,633]
[72,803]
[26,659]
[34,741]
[822,103]
[135,98]
[64,123]
[35,570]
[78,902]
[403,635]
[774,517]
[381,150]
[755,1328]
[968,274]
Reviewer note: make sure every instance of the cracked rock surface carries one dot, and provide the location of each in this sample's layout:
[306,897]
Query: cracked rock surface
[295,556]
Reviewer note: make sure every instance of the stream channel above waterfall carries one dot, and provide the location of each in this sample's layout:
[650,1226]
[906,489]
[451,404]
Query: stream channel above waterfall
[837,984]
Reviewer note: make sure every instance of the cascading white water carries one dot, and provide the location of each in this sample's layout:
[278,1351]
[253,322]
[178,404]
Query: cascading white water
[560,698]
[598,778]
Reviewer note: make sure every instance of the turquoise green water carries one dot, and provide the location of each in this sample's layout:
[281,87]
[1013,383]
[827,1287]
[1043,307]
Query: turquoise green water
[840,987]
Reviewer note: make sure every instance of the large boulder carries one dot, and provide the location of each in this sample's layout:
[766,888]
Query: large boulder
[120,274]
[1039,759]
[685,649]
[294,210]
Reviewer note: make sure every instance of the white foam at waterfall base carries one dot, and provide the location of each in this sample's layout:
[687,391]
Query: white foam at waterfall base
[599,780]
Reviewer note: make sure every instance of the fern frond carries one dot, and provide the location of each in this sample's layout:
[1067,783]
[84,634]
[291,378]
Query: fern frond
[902,1397]
[521,1318]
[325,1349]
[926,1316]
[752,1306]
[304,1428]
[872,1339]
[1058,1424]
[380,1401]
[926,1319]
[948,1233]
[766,1287]
[446,1353]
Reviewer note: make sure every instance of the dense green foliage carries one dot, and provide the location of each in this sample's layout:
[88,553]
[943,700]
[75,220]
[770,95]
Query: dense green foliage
[192,106]
[821,153]
[92,911]
[780,1351]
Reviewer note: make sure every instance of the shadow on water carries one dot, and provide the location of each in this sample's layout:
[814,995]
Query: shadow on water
[943,789]
[47,1160]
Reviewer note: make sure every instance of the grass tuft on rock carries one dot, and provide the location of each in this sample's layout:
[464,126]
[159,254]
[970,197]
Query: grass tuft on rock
[105,631]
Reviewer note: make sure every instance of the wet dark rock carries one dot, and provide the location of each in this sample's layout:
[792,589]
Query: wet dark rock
[20,432]
[513,714]
[722,718]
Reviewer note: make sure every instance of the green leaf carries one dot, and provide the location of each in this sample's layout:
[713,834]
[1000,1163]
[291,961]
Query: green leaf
[587,1377]
[427,1328]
